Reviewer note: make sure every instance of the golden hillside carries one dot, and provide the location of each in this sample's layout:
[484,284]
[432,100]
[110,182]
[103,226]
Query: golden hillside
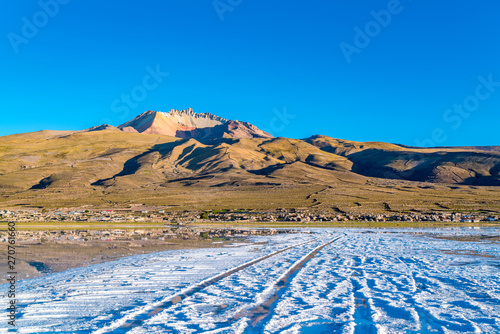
[114,168]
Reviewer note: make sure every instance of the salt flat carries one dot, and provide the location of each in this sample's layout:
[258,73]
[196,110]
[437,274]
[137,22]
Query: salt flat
[328,281]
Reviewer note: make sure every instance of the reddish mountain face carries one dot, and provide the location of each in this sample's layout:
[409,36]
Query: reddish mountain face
[188,124]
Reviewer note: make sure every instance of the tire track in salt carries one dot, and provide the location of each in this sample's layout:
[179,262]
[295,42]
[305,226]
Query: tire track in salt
[427,320]
[361,309]
[263,310]
[136,319]
[367,312]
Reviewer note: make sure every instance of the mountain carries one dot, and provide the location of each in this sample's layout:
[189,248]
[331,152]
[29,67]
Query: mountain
[186,160]
[458,165]
[188,124]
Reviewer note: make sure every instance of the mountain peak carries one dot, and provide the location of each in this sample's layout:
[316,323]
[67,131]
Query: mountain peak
[191,113]
[189,124]
[189,118]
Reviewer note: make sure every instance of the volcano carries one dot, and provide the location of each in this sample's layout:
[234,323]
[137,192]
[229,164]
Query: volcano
[188,124]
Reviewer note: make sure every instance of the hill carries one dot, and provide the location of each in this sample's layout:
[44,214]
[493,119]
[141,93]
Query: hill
[460,165]
[106,167]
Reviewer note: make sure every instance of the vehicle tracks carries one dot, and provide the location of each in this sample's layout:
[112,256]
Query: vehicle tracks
[263,310]
[131,321]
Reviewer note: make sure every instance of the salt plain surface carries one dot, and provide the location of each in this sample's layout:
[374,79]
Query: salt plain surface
[328,281]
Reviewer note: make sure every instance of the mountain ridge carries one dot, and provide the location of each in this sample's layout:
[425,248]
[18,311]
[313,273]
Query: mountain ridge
[188,124]
[232,164]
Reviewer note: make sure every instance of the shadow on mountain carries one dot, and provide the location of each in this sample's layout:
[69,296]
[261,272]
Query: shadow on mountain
[475,168]
[267,170]
[482,181]
[186,151]
[44,183]
[132,165]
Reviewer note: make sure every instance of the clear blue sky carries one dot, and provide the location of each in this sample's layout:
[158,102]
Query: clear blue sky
[69,67]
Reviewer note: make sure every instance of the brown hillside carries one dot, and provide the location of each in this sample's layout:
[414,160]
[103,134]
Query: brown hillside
[115,168]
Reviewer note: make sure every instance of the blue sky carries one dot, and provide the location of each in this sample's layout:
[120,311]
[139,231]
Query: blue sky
[413,72]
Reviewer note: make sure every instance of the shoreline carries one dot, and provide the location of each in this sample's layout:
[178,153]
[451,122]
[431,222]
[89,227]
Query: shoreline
[240,225]
[51,250]
[40,259]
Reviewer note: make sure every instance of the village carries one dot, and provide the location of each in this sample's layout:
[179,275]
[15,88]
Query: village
[175,218]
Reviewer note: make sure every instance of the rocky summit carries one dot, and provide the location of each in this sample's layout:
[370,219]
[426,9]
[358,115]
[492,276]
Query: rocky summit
[188,124]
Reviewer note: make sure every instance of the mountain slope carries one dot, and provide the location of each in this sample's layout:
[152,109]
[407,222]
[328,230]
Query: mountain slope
[480,166]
